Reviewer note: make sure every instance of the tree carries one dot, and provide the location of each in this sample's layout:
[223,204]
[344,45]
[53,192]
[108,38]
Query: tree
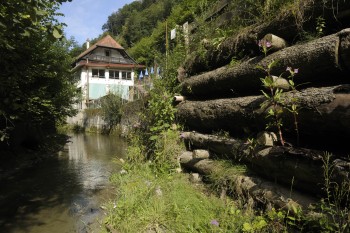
[37,88]
[111,110]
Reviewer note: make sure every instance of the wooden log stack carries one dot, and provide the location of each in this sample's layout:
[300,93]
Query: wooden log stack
[324,115]
[229,99]
[252,189]
[325,60]
[286,25]
[299,168]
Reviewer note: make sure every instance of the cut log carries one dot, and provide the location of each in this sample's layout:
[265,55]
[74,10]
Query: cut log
[323,116]
[298,168]
[179,98]
[200,154]
[247,187]
[287,25]
[325,60]
[277,43]
[281,83]
[266,139]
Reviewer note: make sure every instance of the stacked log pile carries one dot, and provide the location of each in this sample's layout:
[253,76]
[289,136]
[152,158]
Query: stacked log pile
[227,99]
[299,168]
[254,190]
[325,60]
[288,25]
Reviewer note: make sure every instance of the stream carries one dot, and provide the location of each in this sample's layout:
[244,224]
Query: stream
[62,194]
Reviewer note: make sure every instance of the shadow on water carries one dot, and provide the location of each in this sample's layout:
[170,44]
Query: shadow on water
[63,193]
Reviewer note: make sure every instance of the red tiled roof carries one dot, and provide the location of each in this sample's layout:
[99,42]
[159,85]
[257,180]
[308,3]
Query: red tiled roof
[106,41]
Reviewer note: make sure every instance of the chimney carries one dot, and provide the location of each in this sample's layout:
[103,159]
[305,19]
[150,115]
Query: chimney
[87,43]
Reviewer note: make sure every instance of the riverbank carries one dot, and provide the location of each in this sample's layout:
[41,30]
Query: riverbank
[154,196]
[157,195]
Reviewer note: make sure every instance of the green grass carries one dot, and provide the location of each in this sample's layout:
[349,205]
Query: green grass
[168,202]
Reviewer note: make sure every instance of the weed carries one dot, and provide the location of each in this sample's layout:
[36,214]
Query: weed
[336,206]
[320,26]
[274,103]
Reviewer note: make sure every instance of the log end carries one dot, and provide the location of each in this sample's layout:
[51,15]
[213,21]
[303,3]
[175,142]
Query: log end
[266,139]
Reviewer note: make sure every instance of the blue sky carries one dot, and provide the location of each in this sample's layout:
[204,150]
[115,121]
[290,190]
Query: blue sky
[84,18]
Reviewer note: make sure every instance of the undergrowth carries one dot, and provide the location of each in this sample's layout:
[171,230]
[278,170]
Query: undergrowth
[152,197]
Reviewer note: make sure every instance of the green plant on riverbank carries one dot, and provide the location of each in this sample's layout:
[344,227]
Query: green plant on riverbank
[166,202]
[152,197]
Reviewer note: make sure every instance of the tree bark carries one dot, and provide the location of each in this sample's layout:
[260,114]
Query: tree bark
[323,116]
[287,25]
[325,60]
[299,168]
[249,188]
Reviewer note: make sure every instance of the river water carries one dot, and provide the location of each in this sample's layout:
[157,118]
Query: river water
[63,194]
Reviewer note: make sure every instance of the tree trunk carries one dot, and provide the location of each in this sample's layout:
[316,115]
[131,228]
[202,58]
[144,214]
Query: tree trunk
[323,116]
[248,188]
[298,168]
[325,60]
[287,25]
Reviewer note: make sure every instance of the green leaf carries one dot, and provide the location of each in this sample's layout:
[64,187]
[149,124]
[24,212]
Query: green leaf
[266,95]
[26,33]
[261,224]
[291,82]
[247,227]
[272,64]
[260,68]
[56,33]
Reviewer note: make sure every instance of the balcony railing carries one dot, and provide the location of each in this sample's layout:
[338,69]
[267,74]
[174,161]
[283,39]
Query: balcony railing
[120,60]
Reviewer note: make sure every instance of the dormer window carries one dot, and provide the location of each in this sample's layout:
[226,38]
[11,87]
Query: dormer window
[107,53]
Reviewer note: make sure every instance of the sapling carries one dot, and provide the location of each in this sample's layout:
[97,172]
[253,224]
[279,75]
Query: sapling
[273,98]
[294,108]
[274,102]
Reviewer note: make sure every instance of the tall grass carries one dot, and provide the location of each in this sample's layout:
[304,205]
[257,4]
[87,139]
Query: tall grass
[146,202]
[148,199]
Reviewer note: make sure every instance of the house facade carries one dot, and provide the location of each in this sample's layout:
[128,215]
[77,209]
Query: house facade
[104,68]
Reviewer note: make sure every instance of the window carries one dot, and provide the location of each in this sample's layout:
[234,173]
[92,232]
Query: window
[126,75]
[98,73]
[114,74]
[108,53]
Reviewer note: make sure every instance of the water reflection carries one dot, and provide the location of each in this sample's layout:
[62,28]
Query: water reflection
[62,194]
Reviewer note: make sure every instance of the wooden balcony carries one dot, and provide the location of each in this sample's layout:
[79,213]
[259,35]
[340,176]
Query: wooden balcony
[117,60]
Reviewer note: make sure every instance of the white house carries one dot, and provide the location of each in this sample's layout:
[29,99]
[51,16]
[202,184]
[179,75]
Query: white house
[104,68]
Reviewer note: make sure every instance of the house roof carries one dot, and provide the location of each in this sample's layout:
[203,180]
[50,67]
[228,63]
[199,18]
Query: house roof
[106,41]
